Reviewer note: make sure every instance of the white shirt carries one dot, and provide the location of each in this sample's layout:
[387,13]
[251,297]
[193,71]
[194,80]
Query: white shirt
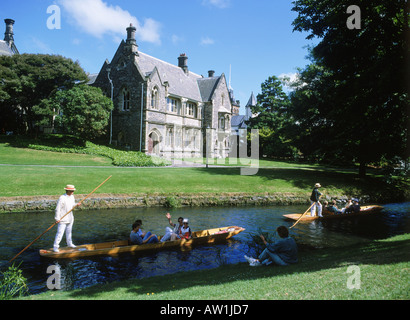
[65,204]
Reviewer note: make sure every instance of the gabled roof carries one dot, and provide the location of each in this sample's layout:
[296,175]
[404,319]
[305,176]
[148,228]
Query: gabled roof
[180,83]
[207,87]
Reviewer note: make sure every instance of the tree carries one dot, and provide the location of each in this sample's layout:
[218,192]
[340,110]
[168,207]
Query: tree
[83,111]
[272,119]
[29,78]
[364,101]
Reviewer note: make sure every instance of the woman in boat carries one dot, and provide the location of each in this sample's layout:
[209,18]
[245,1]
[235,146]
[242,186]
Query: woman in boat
[283,252]
[172,234]
[185,231]
[137,239]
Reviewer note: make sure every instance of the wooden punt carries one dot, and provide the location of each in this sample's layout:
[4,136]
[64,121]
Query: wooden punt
[209,236]
[364,210]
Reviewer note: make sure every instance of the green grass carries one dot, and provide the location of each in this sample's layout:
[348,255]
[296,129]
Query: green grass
[321,274]
[28,172]
[32,181]
[25,156]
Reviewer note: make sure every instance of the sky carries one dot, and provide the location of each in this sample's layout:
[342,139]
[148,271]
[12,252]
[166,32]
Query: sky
[247,40]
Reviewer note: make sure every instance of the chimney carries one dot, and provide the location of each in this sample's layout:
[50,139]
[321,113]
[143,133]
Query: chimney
[8,35]
[131,43]
[211,73]
[182,62]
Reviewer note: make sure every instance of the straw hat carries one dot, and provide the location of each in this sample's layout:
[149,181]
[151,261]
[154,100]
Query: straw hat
[317,185]
[69,187]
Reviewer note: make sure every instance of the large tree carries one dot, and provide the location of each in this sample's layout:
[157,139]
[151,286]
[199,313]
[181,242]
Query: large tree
[27,79]
[363,100]
[82,111]
[272,119]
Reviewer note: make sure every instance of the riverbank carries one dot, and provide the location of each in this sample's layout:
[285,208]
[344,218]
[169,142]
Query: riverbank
[124,201]
[373,270]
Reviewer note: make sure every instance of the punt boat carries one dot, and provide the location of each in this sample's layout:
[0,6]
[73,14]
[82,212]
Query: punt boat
[364,210]
[203,237]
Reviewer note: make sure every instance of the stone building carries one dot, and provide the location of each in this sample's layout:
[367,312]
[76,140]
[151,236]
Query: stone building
[164,109]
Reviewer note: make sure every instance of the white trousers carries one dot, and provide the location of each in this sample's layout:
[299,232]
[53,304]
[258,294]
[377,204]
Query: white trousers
[313,209]
[61,227]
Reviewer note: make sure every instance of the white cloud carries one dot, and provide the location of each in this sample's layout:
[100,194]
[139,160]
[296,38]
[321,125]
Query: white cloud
[206,41]
[98,19]
[290,81]
[217,3]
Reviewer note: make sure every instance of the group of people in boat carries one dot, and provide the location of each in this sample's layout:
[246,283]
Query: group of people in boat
[352,205]
[178,231]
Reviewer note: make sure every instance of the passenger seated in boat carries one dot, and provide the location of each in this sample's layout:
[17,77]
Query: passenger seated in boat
[185,231]
[333,209]
[354,207]
[137,239]
[172,234]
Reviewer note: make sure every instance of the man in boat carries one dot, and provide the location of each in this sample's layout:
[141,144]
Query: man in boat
[333,209]
[65,204]
[314,201]
[172,234]
[283,252]
[136,238]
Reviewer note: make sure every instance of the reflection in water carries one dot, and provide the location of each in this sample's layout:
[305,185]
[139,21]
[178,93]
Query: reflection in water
[105,225]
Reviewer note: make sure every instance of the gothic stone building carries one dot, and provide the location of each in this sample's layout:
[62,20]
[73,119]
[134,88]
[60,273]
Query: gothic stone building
[164,109]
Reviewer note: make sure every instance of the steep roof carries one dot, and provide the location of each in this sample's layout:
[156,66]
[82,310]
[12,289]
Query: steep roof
[180,83]
[207,87]
[5,50]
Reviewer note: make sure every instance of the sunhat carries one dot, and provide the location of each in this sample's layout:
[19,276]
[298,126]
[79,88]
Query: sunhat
[69,187]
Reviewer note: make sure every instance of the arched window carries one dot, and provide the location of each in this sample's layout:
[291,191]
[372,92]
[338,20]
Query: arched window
[222,122]
[125,97]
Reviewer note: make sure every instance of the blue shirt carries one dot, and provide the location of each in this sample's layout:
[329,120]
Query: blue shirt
[135,238]
[286,249]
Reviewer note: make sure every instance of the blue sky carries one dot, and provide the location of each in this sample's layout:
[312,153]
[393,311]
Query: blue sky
[253,39]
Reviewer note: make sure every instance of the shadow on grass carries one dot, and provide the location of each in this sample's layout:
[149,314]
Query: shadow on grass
[376,253]
[347,182]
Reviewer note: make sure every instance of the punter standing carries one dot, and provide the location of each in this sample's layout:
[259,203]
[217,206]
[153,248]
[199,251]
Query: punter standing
[64,205]
[314,201]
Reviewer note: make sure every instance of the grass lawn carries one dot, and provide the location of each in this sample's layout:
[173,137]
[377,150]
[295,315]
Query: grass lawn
[28,172]
[33,180]
[320,274]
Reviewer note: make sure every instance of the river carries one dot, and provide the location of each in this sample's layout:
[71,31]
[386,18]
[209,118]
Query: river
[19,229]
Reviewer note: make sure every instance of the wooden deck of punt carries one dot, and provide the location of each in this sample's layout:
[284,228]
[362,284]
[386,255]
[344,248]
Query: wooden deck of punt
[209,236]
[364,210]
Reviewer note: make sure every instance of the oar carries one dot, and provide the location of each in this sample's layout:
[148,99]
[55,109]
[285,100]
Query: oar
[305,213]
[59,220]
